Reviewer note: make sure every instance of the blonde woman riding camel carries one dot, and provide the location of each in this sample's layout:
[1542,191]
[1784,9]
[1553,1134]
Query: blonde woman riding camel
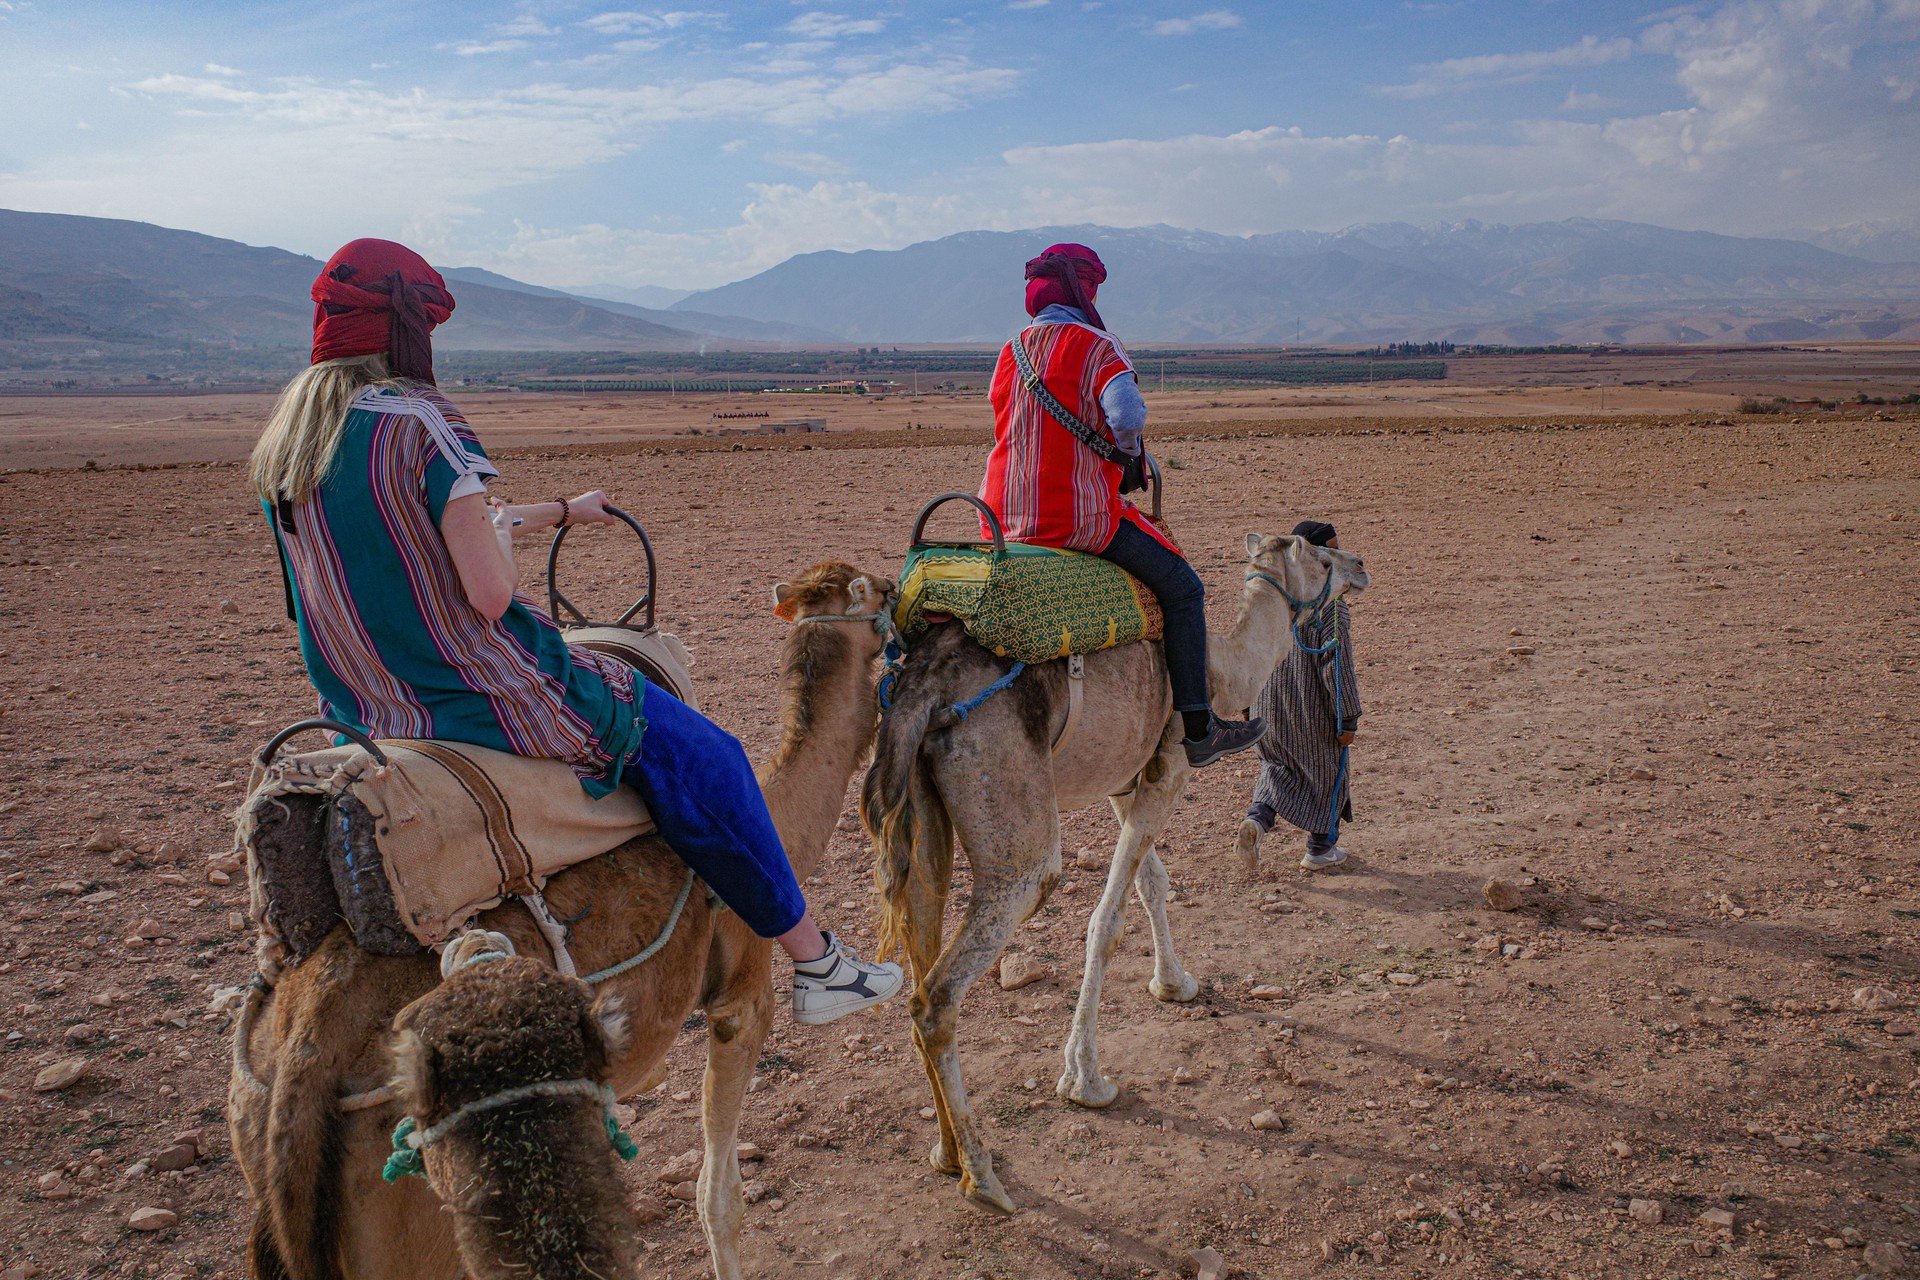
[404,588]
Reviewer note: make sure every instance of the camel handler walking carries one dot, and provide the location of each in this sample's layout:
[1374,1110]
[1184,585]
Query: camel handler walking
[401,579]
[1312,708]
[1068,424]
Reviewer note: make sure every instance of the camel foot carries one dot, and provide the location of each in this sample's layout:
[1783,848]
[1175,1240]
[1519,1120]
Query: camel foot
[942,1160]
[1247,845]
[1096,1093]
[1178,992]
[989,1194]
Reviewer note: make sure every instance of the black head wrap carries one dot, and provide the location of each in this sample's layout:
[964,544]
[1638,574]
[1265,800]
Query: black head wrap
[1317,532]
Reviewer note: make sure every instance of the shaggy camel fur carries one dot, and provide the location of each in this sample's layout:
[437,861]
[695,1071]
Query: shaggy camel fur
[992,779]
[321,1211]
[534,1187]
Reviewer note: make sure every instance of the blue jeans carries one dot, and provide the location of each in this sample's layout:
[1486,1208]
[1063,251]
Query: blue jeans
[698,785]
[1183,605]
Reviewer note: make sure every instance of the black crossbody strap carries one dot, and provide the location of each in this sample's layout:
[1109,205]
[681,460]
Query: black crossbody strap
[1085,434]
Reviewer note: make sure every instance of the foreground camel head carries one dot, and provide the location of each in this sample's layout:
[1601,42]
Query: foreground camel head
[495,1027]
[833,588]
[1305,568]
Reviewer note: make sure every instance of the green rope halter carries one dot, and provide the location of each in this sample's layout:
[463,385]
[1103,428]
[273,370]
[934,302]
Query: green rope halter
[410,1142]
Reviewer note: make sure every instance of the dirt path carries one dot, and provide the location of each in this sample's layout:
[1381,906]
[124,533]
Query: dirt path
[1729,610]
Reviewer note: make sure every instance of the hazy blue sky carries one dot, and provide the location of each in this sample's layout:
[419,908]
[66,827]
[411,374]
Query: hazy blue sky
[578,143]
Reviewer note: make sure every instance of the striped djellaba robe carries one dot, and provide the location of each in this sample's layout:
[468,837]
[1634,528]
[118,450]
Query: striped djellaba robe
[1300,753]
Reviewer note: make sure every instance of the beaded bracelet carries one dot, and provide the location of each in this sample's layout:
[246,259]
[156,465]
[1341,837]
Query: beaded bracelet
[566,512]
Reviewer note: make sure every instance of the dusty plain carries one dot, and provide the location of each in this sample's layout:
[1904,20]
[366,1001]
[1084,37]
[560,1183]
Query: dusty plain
[1656,669]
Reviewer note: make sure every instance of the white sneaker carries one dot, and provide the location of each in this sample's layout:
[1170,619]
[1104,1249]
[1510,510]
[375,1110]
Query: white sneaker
[1317,861]
[840,983]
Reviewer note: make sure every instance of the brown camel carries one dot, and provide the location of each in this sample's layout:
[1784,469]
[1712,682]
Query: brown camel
[533,1185]
[313,1164]
[993,780]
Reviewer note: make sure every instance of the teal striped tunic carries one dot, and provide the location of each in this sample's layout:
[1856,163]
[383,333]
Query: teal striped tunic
[389,639]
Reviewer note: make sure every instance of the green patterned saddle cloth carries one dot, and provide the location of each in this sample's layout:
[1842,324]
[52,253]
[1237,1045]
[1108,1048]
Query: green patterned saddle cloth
[1032,604]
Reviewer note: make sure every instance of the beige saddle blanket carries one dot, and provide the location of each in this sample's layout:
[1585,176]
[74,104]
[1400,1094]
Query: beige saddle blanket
[446,831]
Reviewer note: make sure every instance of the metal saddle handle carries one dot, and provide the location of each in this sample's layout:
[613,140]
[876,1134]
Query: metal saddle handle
[574,618]
[993,523]
[1154,481]
[265,755]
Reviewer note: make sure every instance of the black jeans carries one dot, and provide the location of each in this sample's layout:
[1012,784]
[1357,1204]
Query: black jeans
[1183,603]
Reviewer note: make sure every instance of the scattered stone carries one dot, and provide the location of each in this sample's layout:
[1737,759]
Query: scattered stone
[1883,1258]
[152,1219]
[684,1167]
[1265,992]
[229,607]
[1404,979]
[1269,1121]
[1792,1142]
[20,1271]
[648,1209]
[149,929]
[81,1033]
[1183,1076]
[1502,896]
[1520,650]
[684,1191]
[1088,859]
[1018,970]
[1356,1179]
[1207,1263]
[1898,1028]
[177,1156]
[753,1192]
[1718,1219]
[747,1153]
[215,876]
[774,1203]
[1419,1183]
[1649,1213]
[928,1113]
[103,841]
[101,896]
[1875,999]
[1640,773]
[1594,924]
[1620,1149]
[59,1075]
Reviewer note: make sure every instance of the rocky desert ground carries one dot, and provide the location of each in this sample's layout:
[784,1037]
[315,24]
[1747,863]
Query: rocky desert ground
[1655,672]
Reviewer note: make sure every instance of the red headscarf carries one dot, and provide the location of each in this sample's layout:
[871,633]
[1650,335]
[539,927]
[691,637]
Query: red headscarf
[1067,274]
[374,297]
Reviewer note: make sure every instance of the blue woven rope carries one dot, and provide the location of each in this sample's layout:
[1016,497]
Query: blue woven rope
[961,710]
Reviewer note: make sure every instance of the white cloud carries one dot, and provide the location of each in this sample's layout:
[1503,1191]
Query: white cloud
[470,48]
[1577,101]
[1212,20]
[811,163]
[524,25]
[215,69]
[1018,5]
[831,26]
[1510,68]
[628,21]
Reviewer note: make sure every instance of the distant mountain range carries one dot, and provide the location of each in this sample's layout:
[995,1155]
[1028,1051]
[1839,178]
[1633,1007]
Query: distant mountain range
[98,288]
[1581,280]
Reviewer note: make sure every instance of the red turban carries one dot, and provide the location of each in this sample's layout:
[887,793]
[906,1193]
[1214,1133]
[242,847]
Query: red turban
[376,297]
[1066,274]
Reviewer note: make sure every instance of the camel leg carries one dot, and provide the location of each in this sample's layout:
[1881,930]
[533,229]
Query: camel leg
[996,908]
[737,1023]
[388,1231]
[1170,981]
[1142,816]
[926,906]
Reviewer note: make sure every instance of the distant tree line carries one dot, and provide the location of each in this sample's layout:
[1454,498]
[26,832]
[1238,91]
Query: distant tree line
[1411,350]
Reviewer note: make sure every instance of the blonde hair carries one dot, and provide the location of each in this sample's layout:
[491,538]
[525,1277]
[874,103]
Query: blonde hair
[296,450]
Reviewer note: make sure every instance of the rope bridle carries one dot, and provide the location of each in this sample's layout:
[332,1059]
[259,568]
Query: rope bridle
[895,652]
[1307,611]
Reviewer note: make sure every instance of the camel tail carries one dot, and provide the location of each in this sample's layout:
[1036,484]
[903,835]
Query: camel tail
[899,805]
[320,1027]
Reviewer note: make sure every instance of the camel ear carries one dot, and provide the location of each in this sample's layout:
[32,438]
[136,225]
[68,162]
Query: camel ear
[783,592]
[413,1072]
[607,1032]
[869,593]
[1253,543]
[1293,544]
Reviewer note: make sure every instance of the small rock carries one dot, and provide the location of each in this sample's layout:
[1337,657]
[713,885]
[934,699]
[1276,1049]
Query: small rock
[20,1271]
[1792,1142]
[1594,924]
[1265,992]
[684,1191]
[149,929]
[218,877]
[60,1075]
[1207,1263]
[1640,773]
[753,1192]
[171,1159]
[774,1203]
[103,841]
[1018,970]
[1875,999]
[1620,1149]
[684,1167]
[928,1113]
[1419,1183]
[152,1219]
[1269,1121]
[747,1153]
[229,607]
[1404,979]
[1649,1213]
[1502,896]
[1087,859]
[81,1033]
[1183,1076]
[1356,1179]
[648,1209]
[1718,1219]
[1883,1258]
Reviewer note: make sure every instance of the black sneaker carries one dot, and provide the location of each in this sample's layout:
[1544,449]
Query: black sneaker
[1224,737]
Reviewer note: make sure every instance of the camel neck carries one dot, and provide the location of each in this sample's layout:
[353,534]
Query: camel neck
[1239,663]
[827,719]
